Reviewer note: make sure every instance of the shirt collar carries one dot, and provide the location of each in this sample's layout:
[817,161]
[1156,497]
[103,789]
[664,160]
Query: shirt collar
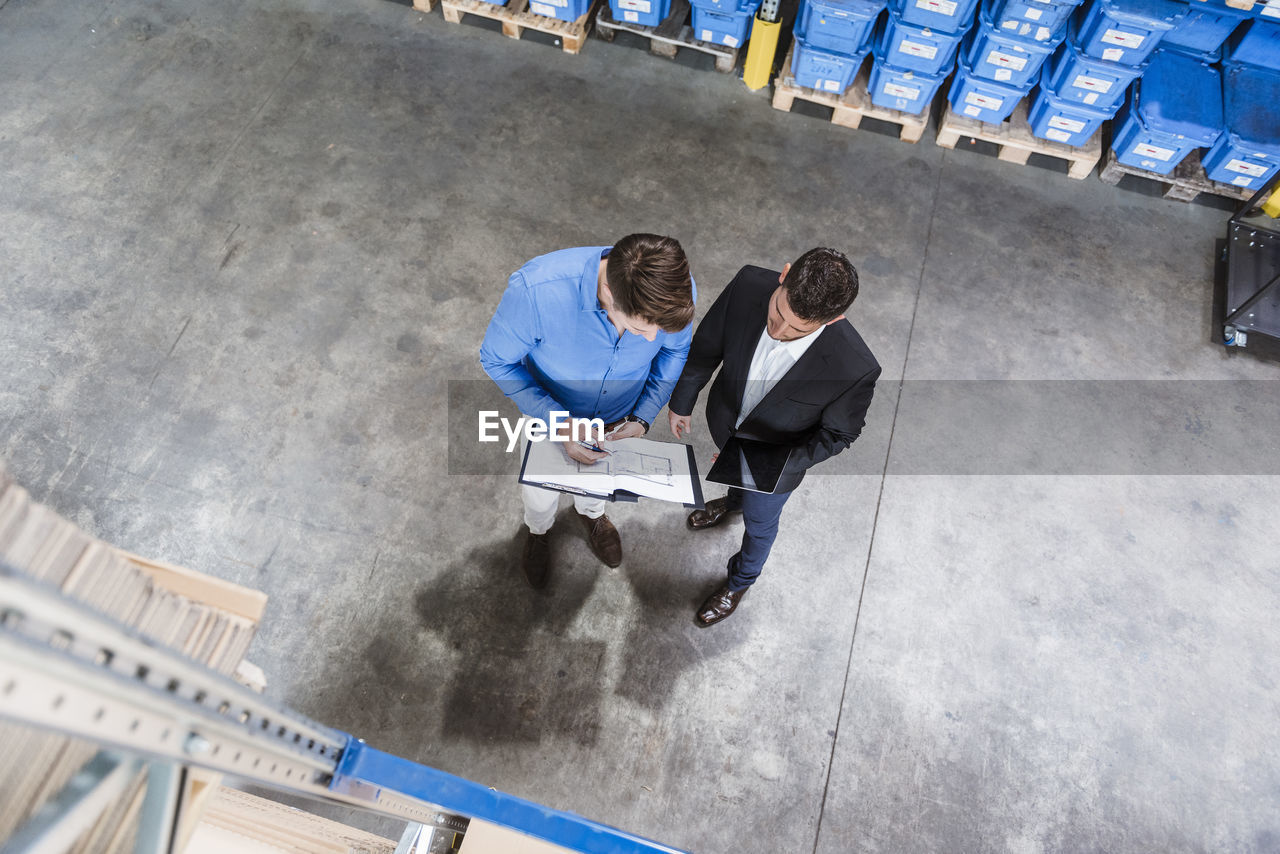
[796,347]
[590,286]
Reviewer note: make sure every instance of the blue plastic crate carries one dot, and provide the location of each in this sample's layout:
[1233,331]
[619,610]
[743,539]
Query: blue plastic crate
[982,99]
[1174,109]
[900,89]
[1074,76]
[1031,19]
[823,69]
[843,25]
[1068,122]
[1256,43]
[912,47]
[1127,30]
[726,28]
[1248,152]
[943,16]
[565,10]
[1204,28]
[1002,57]
[728,7]
[646,13]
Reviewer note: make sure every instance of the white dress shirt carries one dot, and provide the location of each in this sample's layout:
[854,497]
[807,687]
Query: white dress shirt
[770,363]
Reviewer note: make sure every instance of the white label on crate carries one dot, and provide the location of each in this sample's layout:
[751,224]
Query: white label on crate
[542,9]
[708,36]
[1113,54]
[1057,135]
[1242,181]
[1093,84]
[1251,169]
[986,102]
[1091,98]
[942,7]
[631,17]
[1272,9]
[1042,34]
[897,90]
[1006,60]
[1120,37]
[829,85]
[973,111]
[636,5]
[1009,25]
[731,41]
[1146,149]
[1003,74]
[926,51]
[1033,14]
[1024,29]
[1066,124]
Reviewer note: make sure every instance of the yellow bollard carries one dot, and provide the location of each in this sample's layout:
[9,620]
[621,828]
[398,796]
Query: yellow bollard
[760,51]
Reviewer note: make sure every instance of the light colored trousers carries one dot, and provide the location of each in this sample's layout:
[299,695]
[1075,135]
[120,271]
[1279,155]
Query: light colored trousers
[540,507]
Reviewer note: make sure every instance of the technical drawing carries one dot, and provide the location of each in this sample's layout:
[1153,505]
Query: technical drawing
[648,467]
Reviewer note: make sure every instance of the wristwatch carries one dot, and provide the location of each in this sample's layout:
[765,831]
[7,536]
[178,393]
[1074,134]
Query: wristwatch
[635,419]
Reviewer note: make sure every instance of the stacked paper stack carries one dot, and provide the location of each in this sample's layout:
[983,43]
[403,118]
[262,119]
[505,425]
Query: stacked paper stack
[210,620]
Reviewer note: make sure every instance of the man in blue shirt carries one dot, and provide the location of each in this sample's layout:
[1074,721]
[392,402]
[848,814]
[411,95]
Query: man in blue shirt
[598,332]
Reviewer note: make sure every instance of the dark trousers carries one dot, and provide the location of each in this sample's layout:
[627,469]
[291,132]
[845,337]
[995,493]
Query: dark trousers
[760,514]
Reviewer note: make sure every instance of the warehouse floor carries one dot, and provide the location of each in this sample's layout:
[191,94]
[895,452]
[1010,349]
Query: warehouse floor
[249,251]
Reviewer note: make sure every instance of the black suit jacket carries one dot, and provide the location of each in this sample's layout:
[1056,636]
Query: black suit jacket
[818,407]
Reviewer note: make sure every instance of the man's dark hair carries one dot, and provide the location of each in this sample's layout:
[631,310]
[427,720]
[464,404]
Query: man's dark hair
[821,285]
[648,276]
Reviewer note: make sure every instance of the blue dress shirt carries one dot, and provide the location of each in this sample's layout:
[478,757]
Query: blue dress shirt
[550,346]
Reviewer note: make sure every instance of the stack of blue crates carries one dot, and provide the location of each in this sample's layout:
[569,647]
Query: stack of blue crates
[726,22]
[1248,152]
[1174,109]
[915,50]
[1109,46]
[831,42]
[1004,54]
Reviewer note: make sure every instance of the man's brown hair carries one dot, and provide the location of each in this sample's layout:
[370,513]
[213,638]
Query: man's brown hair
[648,277]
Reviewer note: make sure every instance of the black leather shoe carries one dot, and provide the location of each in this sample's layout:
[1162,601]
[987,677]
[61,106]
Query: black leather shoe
[716,511]
[719,605]
[535,562]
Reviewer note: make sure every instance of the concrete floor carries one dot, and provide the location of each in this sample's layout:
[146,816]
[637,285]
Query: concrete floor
[249,249]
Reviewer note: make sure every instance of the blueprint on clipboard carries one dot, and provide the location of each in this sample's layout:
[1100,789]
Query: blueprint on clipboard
[661,470]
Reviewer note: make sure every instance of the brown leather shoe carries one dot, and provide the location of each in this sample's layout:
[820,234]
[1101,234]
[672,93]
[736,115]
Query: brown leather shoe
[719,605]
[535,561]
[716,511]
[604,539]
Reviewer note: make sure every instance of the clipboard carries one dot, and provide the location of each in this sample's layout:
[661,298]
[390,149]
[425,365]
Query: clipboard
[750,465]
[619,494]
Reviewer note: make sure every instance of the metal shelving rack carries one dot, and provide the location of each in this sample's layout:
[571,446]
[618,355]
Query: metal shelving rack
[65,667]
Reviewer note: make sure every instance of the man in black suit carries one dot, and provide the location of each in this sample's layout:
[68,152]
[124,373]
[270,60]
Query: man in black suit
[796,376]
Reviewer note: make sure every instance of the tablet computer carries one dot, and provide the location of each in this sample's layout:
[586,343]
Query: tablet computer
[751,465]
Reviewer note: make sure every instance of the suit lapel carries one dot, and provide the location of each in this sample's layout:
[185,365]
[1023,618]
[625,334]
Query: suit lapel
[747,346]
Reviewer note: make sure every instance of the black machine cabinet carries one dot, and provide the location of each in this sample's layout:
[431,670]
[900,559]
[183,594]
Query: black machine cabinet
[1252,307]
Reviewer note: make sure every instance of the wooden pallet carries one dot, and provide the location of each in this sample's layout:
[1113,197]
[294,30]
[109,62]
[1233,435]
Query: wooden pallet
[1017,143]
[516,18]
[424,5]
[668,37]
[1186,181]
[849,109]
